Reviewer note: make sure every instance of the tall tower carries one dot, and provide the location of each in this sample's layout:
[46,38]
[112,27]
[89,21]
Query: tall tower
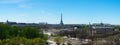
[7,22]
[61,21]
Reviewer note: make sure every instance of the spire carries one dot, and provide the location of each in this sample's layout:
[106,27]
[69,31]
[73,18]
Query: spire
[61,22]
[101,23]
[90,25]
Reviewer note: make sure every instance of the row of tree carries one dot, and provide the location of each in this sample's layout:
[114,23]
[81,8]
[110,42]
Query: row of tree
[22,41]
[16,35]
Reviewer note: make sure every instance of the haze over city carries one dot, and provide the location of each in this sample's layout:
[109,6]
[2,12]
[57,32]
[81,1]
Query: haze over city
[74,12]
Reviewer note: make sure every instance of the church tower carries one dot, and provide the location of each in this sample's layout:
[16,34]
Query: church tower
[61,21]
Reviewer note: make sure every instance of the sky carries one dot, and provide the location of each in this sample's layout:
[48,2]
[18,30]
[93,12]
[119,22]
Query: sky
[74,11]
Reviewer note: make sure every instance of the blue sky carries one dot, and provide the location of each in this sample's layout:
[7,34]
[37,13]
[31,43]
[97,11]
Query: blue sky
[74,11]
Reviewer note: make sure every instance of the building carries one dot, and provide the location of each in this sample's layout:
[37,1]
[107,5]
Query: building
[101,28]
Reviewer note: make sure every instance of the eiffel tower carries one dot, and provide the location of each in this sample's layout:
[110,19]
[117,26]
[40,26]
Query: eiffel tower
[61,21]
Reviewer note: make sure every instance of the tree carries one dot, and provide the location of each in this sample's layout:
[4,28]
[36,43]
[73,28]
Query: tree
[59,40]
[31,32]
[117,27]
[4,31]
[10,35]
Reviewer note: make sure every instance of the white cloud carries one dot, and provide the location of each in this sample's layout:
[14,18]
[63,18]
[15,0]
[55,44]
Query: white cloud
[24,6]
[10,1]
[23,15]
[43,12]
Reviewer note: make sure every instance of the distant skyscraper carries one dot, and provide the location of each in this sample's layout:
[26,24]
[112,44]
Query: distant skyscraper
[61,21]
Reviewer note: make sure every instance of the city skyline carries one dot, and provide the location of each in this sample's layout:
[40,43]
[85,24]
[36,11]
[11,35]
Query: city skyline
[74,12]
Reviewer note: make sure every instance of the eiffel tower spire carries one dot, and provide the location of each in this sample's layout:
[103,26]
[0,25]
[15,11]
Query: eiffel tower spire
[61,21]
